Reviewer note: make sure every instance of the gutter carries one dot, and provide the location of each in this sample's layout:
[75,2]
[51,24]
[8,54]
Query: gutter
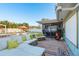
[60,9]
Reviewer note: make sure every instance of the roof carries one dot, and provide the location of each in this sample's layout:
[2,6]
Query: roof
[63,9]
[23,27]
[49,21]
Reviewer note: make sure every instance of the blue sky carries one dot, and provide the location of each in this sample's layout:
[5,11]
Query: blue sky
[27,12]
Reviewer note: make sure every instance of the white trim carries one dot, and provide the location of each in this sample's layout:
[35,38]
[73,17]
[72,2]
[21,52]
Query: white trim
[67,9]
[70,9]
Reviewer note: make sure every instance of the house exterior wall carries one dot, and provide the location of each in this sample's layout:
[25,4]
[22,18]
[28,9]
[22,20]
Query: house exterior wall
[49,29]
[78,28]
[73,50]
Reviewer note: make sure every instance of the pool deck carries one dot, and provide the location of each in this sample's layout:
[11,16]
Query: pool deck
[53,47]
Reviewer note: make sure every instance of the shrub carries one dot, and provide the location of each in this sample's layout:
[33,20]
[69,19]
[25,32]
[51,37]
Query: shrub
[12,44]
[24,38]
[39,34]
[31,37]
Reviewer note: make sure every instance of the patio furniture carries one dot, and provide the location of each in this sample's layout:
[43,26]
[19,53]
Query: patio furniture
[58,36]
[41,38]
[23,50]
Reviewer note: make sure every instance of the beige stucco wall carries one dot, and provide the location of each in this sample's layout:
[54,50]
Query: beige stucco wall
[11,30]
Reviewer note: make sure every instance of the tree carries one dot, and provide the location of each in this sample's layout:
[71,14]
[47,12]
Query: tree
[23,24]
[5,23]
[13,25]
